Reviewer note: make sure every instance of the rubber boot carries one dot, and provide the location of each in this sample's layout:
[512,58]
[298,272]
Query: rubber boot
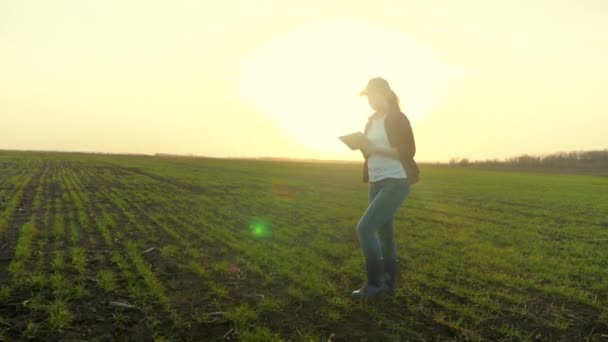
[390,274]
[375,283]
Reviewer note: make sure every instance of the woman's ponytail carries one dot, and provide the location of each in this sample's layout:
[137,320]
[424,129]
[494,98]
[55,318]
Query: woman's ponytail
[393,102]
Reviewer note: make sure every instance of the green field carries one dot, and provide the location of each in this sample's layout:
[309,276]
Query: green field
[100,247]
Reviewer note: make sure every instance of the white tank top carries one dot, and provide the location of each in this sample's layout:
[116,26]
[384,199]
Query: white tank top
[380,166]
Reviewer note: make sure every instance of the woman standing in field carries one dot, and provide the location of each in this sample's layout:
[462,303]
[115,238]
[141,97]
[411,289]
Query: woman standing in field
[390,169]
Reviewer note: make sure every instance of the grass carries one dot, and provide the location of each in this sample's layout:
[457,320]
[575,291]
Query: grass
[106,280]
[23,250]
[58,260]
[79,259]
[263,251]
[5,292]
[59,315]
[18,181]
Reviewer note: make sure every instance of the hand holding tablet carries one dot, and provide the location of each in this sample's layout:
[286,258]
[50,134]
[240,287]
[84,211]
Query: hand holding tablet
[356,141]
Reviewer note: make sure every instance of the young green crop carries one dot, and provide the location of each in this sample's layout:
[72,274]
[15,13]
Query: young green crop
[5,292]
[106,280]
[484,254]
[60,285]
[59,315]
[58,260]
[79,259]
[14,200]
[58,225]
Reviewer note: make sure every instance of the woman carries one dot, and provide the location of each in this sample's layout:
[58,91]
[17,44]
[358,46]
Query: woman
[390,169]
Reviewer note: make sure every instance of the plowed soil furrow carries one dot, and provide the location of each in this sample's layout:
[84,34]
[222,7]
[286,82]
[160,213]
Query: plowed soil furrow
[8,202]
[70,208]
[58,228]
[7,182]
[92,310]
[46,220]
[168,205]
[104,206]
[11,184]
[176,278]
[94,233]
[175,185]
[84,217]
[78,197]
[121,230]
[17,218]
[186,281]
[94,242]
[41,263]
[113,190]
[136,218]
[183,194]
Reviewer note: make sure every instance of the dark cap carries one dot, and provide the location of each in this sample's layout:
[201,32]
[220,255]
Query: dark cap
[376,85]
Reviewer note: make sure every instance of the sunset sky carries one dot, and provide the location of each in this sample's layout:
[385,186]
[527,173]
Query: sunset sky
[236,78]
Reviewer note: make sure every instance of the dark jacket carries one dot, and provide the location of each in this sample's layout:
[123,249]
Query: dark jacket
[400,136]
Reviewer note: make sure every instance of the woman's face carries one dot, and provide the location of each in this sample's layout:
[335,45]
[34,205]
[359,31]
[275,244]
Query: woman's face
[376,100]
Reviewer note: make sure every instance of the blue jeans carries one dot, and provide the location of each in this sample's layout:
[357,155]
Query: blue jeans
[375,228]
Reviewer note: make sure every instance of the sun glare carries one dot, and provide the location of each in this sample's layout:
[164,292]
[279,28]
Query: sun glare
[308,80]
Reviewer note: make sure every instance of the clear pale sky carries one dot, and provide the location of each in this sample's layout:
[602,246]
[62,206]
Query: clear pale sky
[235,78]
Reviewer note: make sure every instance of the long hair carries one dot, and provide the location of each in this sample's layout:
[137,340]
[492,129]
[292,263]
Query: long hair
[393,103]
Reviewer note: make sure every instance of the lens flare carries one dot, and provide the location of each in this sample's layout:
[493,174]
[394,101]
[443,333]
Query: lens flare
[259,229]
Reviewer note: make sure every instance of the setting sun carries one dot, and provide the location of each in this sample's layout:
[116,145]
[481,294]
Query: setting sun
[307,81]
[281,79]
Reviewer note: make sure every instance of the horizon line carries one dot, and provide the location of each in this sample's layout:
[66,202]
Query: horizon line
[270,158]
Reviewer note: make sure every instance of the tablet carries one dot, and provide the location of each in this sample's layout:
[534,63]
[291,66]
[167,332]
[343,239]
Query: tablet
[355,141]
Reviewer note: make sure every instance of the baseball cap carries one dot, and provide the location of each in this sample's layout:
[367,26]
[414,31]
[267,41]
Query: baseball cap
[375,85]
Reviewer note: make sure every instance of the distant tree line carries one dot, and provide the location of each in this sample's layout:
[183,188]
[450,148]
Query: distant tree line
[591,160]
